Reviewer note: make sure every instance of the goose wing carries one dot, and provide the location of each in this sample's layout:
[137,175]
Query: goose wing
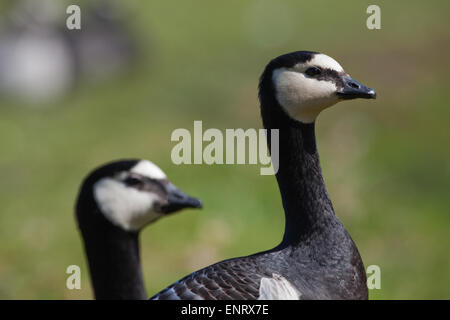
[227,280]
[230,280]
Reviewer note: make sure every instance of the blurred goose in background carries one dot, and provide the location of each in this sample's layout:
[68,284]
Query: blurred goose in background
[105,45]
[36,63]
[115,202]
[317,259]
[41,60]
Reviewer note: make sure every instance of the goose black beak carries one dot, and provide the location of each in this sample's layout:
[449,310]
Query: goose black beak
[178,200]
[353,90]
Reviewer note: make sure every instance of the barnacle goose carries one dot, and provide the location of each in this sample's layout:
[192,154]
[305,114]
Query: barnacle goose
[114,203]
[317,259]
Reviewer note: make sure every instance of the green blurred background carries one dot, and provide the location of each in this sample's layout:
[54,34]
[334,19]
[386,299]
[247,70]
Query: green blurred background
[385,162]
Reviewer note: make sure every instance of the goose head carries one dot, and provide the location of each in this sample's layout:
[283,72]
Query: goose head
[132,193]
[304,83]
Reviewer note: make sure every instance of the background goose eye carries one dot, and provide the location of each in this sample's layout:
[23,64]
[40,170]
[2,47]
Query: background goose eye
[132,181]
[313,71]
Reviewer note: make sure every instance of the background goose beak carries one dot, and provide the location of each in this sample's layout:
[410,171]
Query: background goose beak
[353,90]
[178,200]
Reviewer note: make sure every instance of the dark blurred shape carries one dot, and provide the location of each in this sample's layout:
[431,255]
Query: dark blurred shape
[40,59]
[104,46]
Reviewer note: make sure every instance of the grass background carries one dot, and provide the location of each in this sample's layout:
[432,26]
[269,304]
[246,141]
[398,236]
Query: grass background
[385,162]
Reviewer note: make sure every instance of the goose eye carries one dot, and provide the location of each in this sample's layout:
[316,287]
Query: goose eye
[313,71]
[132,181]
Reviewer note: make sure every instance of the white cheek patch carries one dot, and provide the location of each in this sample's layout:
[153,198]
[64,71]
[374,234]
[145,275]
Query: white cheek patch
[277,288]
[125,207]
[301,97]
[325,62]
[148,169]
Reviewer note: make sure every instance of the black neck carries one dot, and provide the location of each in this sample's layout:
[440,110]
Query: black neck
[307,206]
[113,256]
[312,228]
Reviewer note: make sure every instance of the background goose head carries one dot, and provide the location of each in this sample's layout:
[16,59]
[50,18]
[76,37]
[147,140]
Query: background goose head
[115,202]
[131,194]
[304,83]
